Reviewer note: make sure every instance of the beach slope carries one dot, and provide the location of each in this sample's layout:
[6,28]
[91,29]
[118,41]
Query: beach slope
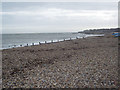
[89,62]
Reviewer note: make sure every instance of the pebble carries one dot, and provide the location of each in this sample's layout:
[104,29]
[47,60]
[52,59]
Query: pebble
[89,67]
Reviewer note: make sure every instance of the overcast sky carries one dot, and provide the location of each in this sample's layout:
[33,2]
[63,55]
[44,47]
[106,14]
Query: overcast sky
[43,17]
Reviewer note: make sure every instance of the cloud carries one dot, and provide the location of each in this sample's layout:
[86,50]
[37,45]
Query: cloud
[54,18]
[52,13]
[59,1]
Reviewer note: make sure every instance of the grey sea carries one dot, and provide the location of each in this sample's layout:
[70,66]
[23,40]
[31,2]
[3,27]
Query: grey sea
[15,40]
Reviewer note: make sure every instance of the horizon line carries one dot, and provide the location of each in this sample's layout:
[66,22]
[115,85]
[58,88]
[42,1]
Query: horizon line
[60,32]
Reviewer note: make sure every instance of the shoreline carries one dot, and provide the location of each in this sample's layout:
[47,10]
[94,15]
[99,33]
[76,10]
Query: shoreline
[79,63]
[52,41]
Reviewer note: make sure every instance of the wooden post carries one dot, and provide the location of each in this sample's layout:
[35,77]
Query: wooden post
[39,43]
[21,45]
[64,39]
[70,38]
[14,45]
[76,37]
[27,44]
[32,43]
[45,42]
[51,41]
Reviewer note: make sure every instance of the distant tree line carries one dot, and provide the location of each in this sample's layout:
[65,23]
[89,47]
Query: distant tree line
[100,31]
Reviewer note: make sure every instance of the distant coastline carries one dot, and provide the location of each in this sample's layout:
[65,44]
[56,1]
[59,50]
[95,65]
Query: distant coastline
[99,31]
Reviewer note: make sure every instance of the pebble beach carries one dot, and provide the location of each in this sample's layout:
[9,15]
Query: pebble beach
[81,63]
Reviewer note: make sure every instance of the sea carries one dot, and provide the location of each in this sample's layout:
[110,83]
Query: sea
[18,40]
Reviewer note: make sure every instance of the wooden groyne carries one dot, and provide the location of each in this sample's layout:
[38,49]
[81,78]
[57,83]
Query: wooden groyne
[45,42]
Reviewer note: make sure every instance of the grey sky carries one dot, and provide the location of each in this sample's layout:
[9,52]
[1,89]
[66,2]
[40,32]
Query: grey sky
[39,17]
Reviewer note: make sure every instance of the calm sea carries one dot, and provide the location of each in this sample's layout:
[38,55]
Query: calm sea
[15,40]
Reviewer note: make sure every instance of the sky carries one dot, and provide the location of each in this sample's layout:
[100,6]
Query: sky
[50,17]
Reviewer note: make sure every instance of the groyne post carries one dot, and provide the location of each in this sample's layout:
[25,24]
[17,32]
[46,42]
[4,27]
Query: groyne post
[33,44]
[51,41]
[39,43]
[14,45]
[45,42]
